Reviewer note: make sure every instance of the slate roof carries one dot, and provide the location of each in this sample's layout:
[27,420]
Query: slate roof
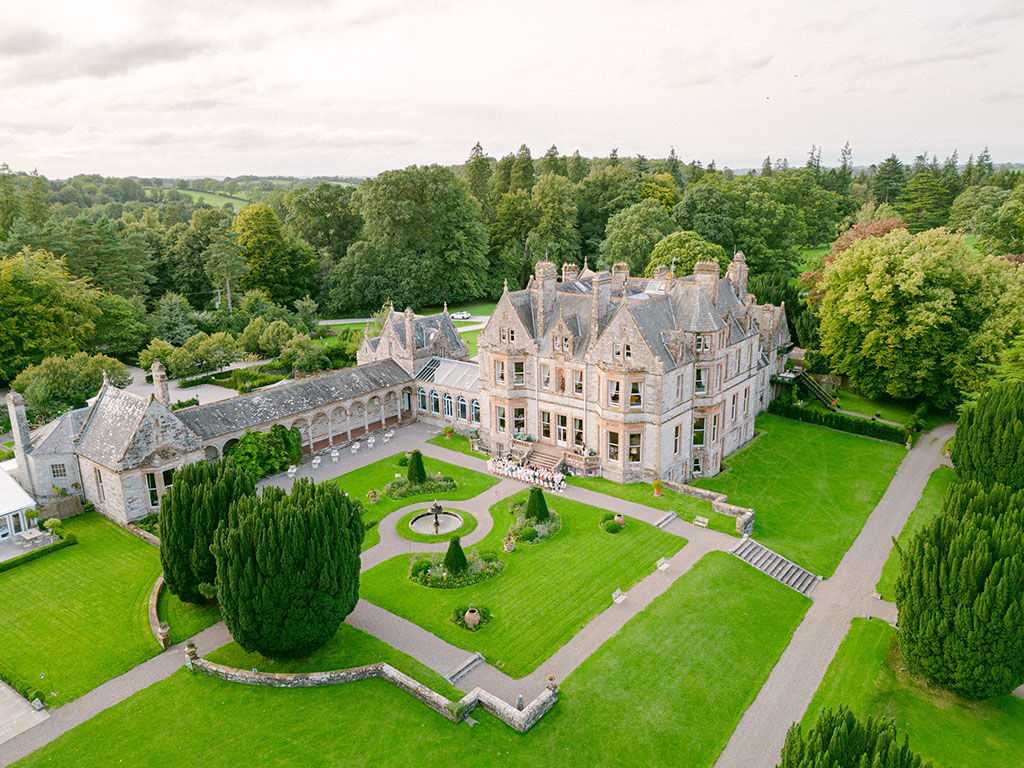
[287,400]
[425,329]
[59,435]
[110,425]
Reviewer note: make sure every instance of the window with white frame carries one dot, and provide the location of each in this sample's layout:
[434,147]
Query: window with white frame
[636,395]
[474,411]
[99,484]
[499,418]
[627,352]
[511,334]
[746,400]
[577,382]
[714,427]
[499,371]
[561,429]
[435,402]
[518,420]
[732,407]
[700,381]
[613,393]
[577,432]
[168,479]
[698,465]
[698,431]
[449,406]
[462,409]
[545,424]
[616,350]
[557,341]
[58,471]
[679,387]
[519,373]
[675,440]
[703,342]
[545,376]
[154,496]
[634,447]
[613,446]
[423,399]
[504,334]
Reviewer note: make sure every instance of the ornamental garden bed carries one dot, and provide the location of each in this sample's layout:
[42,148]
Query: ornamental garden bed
[430,571]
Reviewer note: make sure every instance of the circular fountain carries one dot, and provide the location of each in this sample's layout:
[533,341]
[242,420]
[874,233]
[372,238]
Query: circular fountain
[435,522]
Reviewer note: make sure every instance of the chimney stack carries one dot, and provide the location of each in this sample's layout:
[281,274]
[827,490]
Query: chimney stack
[160,388]
[22,441]
[410,341]
[705,274]
[544,285]
[737,274]
[661,272]
[620,274]
[569,272]
[600,299]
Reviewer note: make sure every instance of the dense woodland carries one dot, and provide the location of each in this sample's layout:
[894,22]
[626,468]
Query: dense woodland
[145,269]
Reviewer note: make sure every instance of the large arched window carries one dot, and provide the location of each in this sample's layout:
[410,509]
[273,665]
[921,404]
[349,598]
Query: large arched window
[449,410]
[423,399]
[474,412]
[463,414]
[435,402]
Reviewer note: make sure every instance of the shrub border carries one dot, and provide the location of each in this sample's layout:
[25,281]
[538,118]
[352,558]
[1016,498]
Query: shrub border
[35,554]
[840,422]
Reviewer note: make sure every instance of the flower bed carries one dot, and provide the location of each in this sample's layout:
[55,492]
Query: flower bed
[429,570]
[527,530]
[399,488]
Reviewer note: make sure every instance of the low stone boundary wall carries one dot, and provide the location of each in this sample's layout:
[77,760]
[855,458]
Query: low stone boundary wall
[146,536]
[520,720]
[719,503]
[160,631]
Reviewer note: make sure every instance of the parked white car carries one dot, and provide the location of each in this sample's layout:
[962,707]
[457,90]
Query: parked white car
[461,315]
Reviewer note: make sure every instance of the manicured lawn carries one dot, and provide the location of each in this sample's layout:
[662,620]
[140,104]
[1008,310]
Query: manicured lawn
[545,593]
[467,527]
[891,410]
[470,338]
[927,508]
[474,308]
[185,619]
[687,507]
[79,615]
[350,647]
[667,690]
[458,443]
[215,199]
[811,488]
[868,675]
[811,258]
[377,475]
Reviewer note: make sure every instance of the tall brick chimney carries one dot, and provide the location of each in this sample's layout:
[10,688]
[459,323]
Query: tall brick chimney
[544,285]
[600,299]
[160,388]
[706,276]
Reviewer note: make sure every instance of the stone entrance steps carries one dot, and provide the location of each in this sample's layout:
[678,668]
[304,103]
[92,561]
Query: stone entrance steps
[776,566]
[545,456]
[466,667]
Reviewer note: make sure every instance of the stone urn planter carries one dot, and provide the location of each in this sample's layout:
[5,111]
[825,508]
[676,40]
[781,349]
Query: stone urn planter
[509,546]
[620,519]
[448,432]
[471,618]
[657,485]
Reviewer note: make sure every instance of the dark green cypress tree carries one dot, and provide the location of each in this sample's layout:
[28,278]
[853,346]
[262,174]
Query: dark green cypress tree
[960,593]
[838,739]
[288,568]
[455,558]
[190,512]
[417,475]
[989,445]
[537,505]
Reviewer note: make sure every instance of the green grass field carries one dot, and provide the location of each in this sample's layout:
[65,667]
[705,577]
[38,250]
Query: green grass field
[926,510]
[687,507]
[867,674]
[542,597]
[215,199]
[811,488]
[377,475]
[459,443]
[667,690]
[79,615]
[473,307]
[470,338]
[185,619]
[811,258]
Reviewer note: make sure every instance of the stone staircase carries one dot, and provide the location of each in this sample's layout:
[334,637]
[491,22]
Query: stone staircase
[544,456]
[816,390]
[776,566]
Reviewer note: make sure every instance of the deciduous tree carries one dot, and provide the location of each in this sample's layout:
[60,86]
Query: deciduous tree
[632,234]
[681,250]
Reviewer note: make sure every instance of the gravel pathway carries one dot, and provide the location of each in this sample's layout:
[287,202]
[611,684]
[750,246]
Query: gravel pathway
[850,592]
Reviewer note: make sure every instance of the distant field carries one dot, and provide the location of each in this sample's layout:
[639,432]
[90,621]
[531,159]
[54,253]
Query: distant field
[811,258]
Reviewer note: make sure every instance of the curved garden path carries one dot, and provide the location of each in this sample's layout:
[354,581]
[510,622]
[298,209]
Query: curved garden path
[848,593]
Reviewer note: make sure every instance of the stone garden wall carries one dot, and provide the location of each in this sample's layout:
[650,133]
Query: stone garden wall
[520,720]
[719,503]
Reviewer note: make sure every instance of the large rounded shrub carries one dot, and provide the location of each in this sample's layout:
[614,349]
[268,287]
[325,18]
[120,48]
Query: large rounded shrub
[288,568]
[960,593]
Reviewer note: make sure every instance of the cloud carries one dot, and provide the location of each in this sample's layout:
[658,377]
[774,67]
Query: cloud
[16,42]
[709,75]
[1008,10]
[1006,96]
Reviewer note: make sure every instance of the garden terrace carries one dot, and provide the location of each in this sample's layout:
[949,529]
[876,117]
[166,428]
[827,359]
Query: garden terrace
[545,593]
[728,625]
[79,615]
[811,488]
[869,676]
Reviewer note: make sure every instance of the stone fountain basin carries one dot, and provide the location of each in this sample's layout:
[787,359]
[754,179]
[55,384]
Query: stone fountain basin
[424,524]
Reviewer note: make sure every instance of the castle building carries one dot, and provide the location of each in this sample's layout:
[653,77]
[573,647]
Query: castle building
[633,379]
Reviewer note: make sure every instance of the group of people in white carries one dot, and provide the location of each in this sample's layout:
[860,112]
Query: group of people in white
[521,470]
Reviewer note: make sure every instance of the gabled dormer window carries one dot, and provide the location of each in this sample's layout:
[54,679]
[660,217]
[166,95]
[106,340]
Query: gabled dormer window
[511,335]
[504,335]
[627,352]
[557,341]
[616,350]
[566,344]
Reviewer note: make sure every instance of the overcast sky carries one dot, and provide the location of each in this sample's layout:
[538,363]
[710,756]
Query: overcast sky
[227,87]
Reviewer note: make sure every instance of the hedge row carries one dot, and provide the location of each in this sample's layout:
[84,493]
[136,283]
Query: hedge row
[840,421]
[27,690]
[35,554]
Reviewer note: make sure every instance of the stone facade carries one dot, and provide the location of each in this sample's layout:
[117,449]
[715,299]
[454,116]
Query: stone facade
[642,379]
[411,340]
